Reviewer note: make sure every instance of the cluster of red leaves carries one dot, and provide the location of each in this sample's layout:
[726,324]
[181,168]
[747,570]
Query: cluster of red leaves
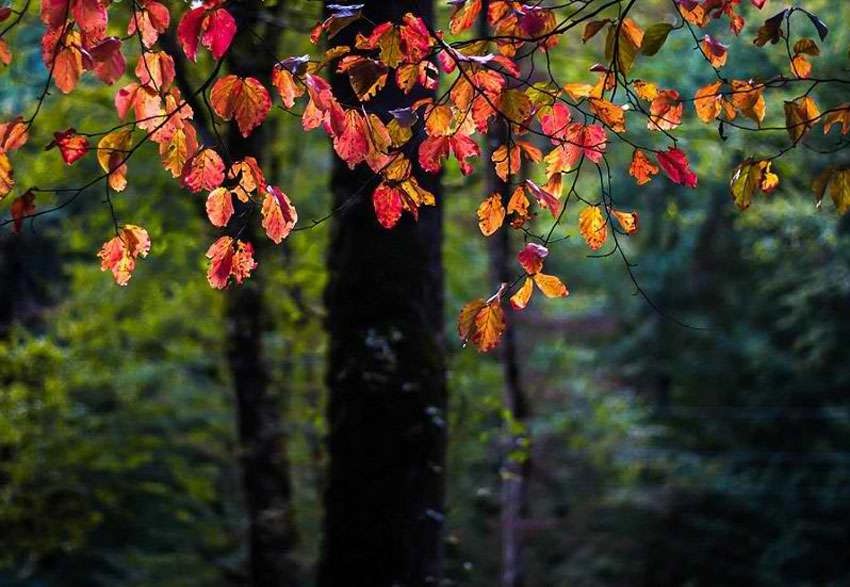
[559,127]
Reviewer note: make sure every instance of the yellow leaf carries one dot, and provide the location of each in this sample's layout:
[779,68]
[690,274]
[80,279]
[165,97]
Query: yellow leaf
[491,214]
[593,227]
[482,323]
[610,114]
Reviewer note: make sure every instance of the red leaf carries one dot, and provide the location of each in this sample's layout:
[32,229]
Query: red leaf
[675,164]
[72,146]
[204,171]
[229,258]
[531,257]
[109,63]
[151,21]
[21,208]
[214,28]
[389,204]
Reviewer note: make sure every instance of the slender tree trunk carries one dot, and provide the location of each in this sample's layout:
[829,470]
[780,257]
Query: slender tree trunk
[386,375]
[514,503]
[265,468]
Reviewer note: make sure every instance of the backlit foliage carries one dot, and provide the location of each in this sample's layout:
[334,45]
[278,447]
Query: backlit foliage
[554,132]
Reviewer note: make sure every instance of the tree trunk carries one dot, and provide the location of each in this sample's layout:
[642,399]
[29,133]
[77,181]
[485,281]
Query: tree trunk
[386,374]
[514,503]
[265,468]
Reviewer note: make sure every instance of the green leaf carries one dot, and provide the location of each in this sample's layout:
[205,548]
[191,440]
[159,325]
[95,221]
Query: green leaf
[655,37]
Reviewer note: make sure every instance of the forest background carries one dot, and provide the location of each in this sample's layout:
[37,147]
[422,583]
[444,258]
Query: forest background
[657,454]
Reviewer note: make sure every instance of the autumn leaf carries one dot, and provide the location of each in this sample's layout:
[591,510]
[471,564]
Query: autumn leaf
[482,323]
[7,179]
[655,37]
[518,208]
[641,168]
[62,54]
[366,76]
[285,83]
[550,285]
[21,208]
[210,25]
[675,164]
[219,206]
[204,171]
[523,295]
[628,221]
[629,39]
[716,52]
[491,214]
[531,257]
[749,177]
[13,134]
[244,99]
[707,102]
[150,19]
[71,146]
[279,215]
[800,116]
[229,258]
[747,97]
[388,202]
[840,115]
[112,152]
[593,227]
[5,53]
[665,111]
[838,183]
[610,114]
[249,177]
[544,198]
[464,15]
[178,149]
[120,253]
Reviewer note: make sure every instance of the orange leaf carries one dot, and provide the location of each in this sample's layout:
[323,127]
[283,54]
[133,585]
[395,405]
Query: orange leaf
[366,76]
[491,214]
[120,253]
[523,295]
[518,206]
[219,206]
[610,114]
[641,168]
[747,98]
[801,66]
[628,221]
[550,286]
[715,51]
[593,227]
[13,134]
[800,116]
[840,115]
[284,81]
[707,102]
[204,171]
[7,180]
[665,112]
[464,15]
[279,215]
[242,98]
[483,323]
[251,178]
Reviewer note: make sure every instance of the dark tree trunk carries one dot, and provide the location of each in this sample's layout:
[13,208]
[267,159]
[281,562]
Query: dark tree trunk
[265,468]
[386,375]
[514,474]
[514,502]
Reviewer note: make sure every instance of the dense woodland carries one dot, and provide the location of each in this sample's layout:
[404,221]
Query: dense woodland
[169,434]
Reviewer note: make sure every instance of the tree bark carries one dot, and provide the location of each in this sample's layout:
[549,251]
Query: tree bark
[386,373]
[265,469]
